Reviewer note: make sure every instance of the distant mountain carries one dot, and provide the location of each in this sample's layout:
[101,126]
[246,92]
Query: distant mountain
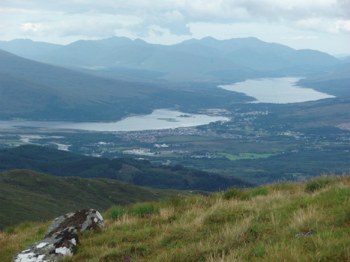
[335,82]
[35,90]
[30,196]
[207,59]
[39,91]
[28,48]
[142,173]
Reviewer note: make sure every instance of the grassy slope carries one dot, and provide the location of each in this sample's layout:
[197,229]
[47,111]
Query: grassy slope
[263,224]
[30,196]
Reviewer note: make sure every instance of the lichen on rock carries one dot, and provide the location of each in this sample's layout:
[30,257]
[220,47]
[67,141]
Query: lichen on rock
[62,237]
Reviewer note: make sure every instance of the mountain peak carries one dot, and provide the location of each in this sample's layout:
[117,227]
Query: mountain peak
[22,40]
[209,39]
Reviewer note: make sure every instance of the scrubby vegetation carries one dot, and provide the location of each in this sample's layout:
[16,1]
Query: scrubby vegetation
[279,222]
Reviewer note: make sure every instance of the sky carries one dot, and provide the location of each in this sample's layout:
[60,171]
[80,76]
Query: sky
[314,24]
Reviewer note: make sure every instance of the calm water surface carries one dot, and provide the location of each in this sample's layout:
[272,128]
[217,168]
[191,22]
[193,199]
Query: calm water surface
[276,90]
[159,119]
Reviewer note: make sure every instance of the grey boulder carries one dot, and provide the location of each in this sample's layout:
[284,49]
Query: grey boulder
[62,237]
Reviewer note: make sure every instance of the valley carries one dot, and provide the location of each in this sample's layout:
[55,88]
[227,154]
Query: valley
[232,121]
[174,131]
[261,143]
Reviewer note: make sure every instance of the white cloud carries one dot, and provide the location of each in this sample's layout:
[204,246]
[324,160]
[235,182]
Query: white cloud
[169,21]
[343,26]
[173,16]
[160,35]
[31,27]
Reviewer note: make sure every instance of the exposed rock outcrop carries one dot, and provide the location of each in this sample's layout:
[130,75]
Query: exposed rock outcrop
[62,237]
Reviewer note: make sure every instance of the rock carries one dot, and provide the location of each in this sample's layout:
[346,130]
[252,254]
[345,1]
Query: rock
[62,237]
[304,234]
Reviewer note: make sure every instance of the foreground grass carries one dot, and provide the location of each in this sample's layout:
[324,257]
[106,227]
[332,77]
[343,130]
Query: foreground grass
[280,222]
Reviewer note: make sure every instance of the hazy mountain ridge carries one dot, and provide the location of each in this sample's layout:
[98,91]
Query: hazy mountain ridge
[336,81]
[190,60]
[28,48]
[95,89]
[55,92]
[34,90]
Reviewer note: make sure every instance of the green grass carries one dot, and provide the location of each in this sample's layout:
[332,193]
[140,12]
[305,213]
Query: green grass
[144,209]
[235,193]
[317,184]
[138,209]
[279,222]
[116,212]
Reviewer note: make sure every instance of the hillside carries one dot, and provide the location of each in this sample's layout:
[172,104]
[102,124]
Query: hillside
[334,82]
[38,91]
[142,173]
[28,48]
[30,196]
[279,222]
[207,59]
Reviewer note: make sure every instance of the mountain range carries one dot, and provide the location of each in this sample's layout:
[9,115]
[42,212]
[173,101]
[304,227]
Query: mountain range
[39,91]
[113,78]
[206,59]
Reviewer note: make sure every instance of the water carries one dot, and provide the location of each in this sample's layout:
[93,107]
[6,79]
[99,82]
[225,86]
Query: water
[276,90]
[159,119]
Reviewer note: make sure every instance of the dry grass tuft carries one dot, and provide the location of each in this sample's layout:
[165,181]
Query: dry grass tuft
[304,219]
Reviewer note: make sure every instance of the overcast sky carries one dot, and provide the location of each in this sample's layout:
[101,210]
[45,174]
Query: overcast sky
[315,24]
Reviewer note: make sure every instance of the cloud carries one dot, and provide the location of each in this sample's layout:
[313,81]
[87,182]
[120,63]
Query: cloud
[345,6]
[343,25]
[93,24]
[31,27]
[169,21]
